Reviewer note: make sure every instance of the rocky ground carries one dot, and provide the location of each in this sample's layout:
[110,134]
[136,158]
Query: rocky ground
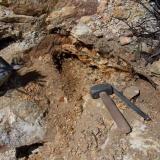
[47,112]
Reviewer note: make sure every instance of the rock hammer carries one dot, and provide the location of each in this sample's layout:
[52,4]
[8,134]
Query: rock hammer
[103,91]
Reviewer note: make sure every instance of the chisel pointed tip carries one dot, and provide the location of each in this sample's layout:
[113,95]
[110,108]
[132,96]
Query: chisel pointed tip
[147,118]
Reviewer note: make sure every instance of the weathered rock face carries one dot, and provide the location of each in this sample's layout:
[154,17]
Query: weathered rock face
[20,123]
[20,120]
[17,27]
[6,30]
[29,7]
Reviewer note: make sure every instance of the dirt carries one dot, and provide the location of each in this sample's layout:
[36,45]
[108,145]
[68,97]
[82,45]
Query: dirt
[76,127]
[83,43]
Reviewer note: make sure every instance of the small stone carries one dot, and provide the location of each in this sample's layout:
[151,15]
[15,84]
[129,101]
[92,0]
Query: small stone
[125,40]
[58,16]
[146,48]
[40,58]
[98,33]
[128,33]
[131,92]
[88,39]
[158,88]
[102,46]
[102,6]
[80,30]
[85,19]
[155,67]
[96,131]
[121,13]
[17,19]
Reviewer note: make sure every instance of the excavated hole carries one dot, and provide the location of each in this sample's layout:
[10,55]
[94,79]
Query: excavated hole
[59,58]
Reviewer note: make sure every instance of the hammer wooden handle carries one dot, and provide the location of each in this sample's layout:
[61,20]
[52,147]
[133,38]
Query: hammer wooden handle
[117,116]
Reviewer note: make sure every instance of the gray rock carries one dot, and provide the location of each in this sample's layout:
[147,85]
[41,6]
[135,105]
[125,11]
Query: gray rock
[6,29]
[89,39]
[12,25]
[125,40]
[80,30]
[131,92]
[17,19]
[155,67]
[146,48]
[18,26]
[20,123]
[103,46]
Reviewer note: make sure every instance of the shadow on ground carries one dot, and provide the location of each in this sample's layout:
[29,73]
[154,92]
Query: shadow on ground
[16,81]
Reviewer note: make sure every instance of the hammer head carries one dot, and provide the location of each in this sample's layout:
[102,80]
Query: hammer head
[105,87]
